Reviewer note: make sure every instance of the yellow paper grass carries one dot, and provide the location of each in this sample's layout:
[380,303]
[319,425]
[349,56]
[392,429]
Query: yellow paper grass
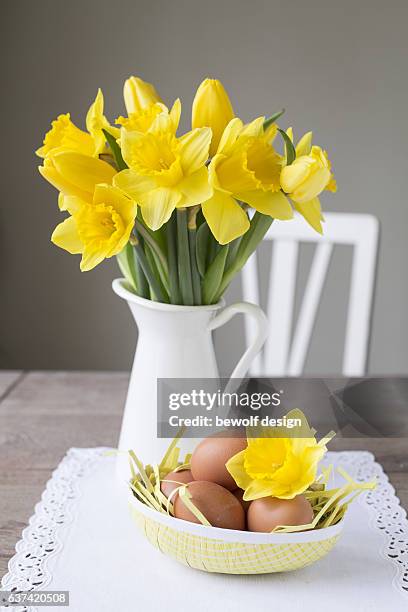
[329,505]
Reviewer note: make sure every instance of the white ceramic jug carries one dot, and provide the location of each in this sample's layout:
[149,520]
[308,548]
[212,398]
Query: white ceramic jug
[173,342]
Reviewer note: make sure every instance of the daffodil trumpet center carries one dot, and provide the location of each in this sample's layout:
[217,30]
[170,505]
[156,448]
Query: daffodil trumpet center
[264,457]
[275,465]
[157,156]
[142,120]
[265,164]
[65,134]
[99,225]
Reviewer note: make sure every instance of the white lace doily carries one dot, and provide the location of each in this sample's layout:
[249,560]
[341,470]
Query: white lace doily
[386,513]
[43,539]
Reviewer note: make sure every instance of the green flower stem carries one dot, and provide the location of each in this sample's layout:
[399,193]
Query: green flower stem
[156,256]
[212,249]
[153,245]
[195,275]
[183,255]
[157,271]
[171,234]
[130,267]
[232,253]
[142,286]
[141,280]
[192,237]
[158,235]
[127,265]
[202,240]
[213,276]
[259,226]
[154,283]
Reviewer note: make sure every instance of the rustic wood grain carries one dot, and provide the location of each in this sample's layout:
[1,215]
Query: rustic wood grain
[43,414]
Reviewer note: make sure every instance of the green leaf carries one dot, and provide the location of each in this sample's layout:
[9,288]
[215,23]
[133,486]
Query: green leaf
[195,275]
[116,152]
[171,234]
[127,265]
[290,149]
[232,253]
[183,255]
[149,238]
[200,218]
[160,271]
[153,280]
[158,235]
[203,233]
[259,226]
[212,249]
[213,276]
[156,268]
[272,119]
[141,281]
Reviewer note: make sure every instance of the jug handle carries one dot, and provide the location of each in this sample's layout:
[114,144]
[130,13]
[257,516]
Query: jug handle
[261,320]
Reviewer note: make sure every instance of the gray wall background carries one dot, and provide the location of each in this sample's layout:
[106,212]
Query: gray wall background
[337,67]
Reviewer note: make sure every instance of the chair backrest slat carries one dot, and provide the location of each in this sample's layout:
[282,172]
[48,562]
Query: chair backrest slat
[252,294]
[281,300]
[308,310]
[283,355]
[361,295]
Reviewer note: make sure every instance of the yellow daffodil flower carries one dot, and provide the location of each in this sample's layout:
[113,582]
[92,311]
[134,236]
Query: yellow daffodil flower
[277,465]
[304,180]
[96,122]
[66,136]
[64,133]
[97,228]
[75,174]
[212,108]
[144,106]
[246,167]
[304,145]
[139,95]
[164,172]
[143,120]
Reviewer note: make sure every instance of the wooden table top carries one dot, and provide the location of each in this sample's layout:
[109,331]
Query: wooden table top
[43,414]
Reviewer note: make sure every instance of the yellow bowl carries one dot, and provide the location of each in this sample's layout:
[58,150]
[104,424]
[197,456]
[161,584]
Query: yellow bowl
[229,551]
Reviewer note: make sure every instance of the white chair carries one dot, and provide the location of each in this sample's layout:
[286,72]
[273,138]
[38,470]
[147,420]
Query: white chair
[284,353]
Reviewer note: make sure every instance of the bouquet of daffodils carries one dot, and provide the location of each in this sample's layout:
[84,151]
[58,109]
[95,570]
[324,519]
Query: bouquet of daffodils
[182,213]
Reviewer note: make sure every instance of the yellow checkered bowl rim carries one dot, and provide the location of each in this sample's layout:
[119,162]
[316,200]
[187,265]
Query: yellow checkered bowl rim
[229,551]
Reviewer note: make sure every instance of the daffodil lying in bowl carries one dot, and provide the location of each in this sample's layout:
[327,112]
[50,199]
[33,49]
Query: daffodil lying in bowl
[246,505]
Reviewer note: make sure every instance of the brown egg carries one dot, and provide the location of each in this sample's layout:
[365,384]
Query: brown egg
[238,493]
[219,506]
[268,512]
[183,476]
[210,456]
